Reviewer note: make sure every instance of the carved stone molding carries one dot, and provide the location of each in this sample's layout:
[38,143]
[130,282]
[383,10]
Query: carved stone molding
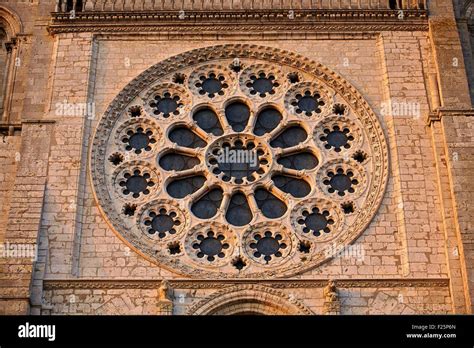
[258,21]
[436,115]
[11,22]
[72,284]
[236,5]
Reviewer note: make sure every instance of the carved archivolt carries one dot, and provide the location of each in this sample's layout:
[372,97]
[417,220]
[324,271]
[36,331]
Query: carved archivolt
[249,298]
[10,22]
[238,161]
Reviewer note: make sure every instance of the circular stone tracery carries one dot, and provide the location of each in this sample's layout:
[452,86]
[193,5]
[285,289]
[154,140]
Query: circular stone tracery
[276,165]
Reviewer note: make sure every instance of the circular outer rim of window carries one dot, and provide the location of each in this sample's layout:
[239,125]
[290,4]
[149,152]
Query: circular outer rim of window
[210,200]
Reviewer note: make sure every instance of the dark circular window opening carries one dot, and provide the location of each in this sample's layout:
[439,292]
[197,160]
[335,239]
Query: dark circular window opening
[166,105]
[210,245]
[308,103]
[246,163]
[136,183]
[262,84]
[162,222]
[341,182]
[316,221]
[238,159]
[139,140]
[212,85]
[267,245]
[337,138]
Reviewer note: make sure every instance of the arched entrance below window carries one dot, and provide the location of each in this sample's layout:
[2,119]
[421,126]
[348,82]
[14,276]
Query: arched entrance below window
[249,299]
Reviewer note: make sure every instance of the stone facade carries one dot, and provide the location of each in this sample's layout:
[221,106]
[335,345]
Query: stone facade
[75,74]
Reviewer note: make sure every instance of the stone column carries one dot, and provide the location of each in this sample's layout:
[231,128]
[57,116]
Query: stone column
[456,121]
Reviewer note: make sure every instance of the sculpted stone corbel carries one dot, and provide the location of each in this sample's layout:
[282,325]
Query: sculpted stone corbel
[165,299]
[332,304]
[330,292]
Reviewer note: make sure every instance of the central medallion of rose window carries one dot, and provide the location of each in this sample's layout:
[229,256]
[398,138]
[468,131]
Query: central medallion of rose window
[239,159]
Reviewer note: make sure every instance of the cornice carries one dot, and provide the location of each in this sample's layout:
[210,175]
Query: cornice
[437,115]
[64,284]
[375,20]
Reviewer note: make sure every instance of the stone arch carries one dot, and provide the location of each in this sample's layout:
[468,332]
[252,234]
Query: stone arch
[467,10]
[249,299]
[10,27]
[10,22]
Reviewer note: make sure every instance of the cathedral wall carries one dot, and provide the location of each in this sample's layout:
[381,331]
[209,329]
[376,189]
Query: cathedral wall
[404,240]
[358,301]
[9,157]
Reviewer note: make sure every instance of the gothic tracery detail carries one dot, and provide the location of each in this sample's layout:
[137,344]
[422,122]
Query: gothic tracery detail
[315,169]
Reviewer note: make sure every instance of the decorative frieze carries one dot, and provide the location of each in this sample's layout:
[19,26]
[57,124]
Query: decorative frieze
[59,284]
[254,22]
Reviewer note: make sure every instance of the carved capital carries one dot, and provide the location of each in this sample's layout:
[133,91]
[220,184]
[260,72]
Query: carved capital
[10,45]
[165,308]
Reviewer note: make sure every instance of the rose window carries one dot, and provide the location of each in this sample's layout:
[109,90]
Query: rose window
[245,172]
